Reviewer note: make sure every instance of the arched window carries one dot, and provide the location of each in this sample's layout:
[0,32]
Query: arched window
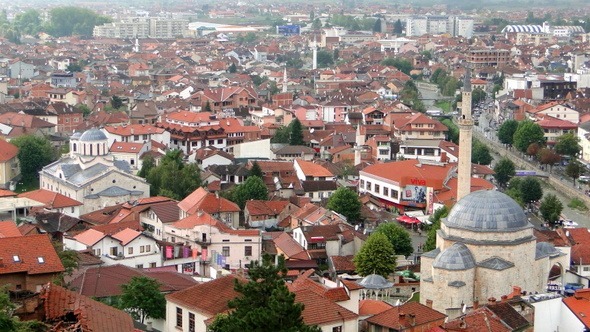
[84,149]
[91,150]
[75,147]
[97,148]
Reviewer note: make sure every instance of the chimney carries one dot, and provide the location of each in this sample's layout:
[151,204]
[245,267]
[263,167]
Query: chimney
[402,315]
[475,304]
[429,303]
[412,319]
[504,298]
[516,291]
[491,300]
[462,323]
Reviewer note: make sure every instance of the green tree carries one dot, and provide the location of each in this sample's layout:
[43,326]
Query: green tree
[377,26]
[398,27]
[527,133]
[480,154]
[296,133]
[148,163]
[317,24]
[208,107]
[253,188]
[398,236]
[141,297]
[435,220]
[450,87]
[324,59]
[74,67]
[402,65]
[28,22]
[232,68]
[574,170]
[69,258]
[550,208]
[504,170]
[548,157]
[256,170]
[377,256]
[530,190]
[453,133]
[10,323]
[347,203]
[281,135]
[172,178]
[34,153]
[506,131]
[85,110]
[477,95]
[67,21]
[568,144]
[264,303]
[116,102]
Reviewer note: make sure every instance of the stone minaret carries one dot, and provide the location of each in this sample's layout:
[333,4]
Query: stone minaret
[465,136]
[285,80]
[314,64]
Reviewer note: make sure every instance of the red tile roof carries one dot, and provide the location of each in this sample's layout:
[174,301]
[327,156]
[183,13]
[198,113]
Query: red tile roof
[373,307]
[104,281]
[91,315]
[35,255]
[7,151]
[402,171]
[319,310]
[312,169]
[52,200]
[134,129]
[200,199]
[7,193]
[8,228]
[126,147]
[399,317]
[89,237]
[265,208]
[478,320]
[579,305]
[127,235]
[209,298]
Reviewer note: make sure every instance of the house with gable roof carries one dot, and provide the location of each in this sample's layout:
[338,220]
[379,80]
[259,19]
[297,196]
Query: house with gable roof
[219,207]
[9,165]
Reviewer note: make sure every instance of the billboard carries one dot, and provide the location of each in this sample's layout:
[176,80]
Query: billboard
[289,30]
[414,193]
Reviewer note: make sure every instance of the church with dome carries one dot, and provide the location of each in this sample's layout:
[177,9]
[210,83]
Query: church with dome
[484,248]
[91,175]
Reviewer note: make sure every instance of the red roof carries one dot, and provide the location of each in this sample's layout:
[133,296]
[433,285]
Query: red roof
[402,171]
[7,151]
[52,200]
[209,298]
[200,199]
[7,193]
[312,169]
[32,254]
[400,318]
[319,310]
[265,208]
[373,307]
[8,228]
[91,315]
[126,147]
[127,235]
[579,305]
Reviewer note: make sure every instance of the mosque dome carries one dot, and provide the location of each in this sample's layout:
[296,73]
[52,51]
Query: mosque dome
[487,211]
[456,257]
[92,135]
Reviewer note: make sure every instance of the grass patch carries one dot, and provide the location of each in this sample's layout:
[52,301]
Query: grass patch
[445,105]
[577,204]
[415,297]
[27,185]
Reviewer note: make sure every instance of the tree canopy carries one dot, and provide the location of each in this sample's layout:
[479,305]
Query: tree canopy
[67,21]
[530,190]
[34,152]
[377,256]
[574,169]
[550,208]
[264,303]
[296,133]
[173,178]
[568,144]
[480,154]
[253,188]
[256,170]
[505,170]
[402,65]
[435,219]
[142,298]
[398,236]
[324,58]
[347,203]
[506,131]
[527,133]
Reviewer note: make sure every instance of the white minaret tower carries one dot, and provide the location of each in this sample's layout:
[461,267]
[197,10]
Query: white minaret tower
[314,46]
[136,46]
[285,80]
[465,136]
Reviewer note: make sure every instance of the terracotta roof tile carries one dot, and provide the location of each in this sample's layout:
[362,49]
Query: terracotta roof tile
[343,263]
[8,228]
[200,199]
[319,310]
[7,151]
[43,259]
[89,237]
[92,316]
[399,317]
[52,200]
[127,235]
[373,307]
[478,320]
[311,169]
[7,193]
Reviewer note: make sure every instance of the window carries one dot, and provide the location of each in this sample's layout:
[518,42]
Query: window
[220,141]
[178,317]
[114,251]
[377,188]
[248,251]
[368,185]
[96,252]
[16,258]
[394,194]
[148,248]
[225,251]
[385,191]
[130,250]
[337,329]
[153,264]
[139,266]
[191,322]
[141,249]
[362,183]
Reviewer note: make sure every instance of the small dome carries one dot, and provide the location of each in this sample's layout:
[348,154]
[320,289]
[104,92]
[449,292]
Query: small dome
[92,135]
[487,211]
[456,257]
[545,249]
[375,281]
[76,135]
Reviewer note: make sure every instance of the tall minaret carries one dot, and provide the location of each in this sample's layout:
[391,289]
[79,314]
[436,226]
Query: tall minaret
[285,80]
[465,136]
[314,64]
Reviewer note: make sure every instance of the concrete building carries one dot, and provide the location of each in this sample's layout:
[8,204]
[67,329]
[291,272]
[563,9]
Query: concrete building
[439,24]
[143,27]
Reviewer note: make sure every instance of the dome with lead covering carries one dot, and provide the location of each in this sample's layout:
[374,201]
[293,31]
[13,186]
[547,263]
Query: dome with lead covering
[456,257]
[375,281]
[487,211]
[92,135]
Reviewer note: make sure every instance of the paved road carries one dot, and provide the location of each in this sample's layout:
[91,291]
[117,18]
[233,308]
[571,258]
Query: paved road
[582,218]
